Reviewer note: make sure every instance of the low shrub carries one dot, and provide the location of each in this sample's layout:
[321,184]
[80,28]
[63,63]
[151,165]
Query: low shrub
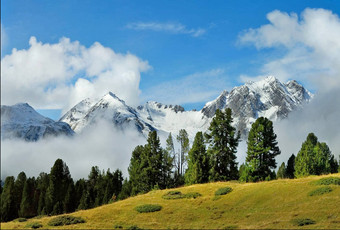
[118,226]
[302,222]
[65,220]
[328,181]
[320,191]
[21,219]
[192,195]
[34,225]
[173,195]
[223,191]
[148,208]
[134,227]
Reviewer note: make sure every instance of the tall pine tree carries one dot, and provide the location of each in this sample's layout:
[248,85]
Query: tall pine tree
[198,162]
[59,181]
[223,141]
[314,158]
[290,167]
[9,210]
[262,150]
[183,139]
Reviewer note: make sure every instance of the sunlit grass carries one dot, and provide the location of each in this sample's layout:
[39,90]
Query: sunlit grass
[274,204]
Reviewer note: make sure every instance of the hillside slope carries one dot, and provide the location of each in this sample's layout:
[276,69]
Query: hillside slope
[273,204]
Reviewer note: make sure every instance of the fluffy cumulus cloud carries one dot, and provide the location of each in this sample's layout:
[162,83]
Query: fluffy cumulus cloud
[311,54]
[175,28]
[61,74]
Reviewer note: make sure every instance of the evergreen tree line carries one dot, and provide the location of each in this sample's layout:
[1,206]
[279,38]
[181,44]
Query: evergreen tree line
[212,157]
[56,193]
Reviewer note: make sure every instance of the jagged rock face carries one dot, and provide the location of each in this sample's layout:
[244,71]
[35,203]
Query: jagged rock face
[109,108]
[22,121]
[269,98]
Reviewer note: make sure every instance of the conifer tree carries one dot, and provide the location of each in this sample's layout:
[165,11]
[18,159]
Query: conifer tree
[170,149]
[19,188]
[183,139]
[262,150]
[223,141]
[59,181]
[198,162]
[314,158]
[8,204]
[70,199]
[135,171]
[290,170]
[27,206]
[281,173]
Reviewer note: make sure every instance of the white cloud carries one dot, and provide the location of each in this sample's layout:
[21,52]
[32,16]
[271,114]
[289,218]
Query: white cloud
[175,28]
[311,42]
[194,88]
[59,75]
[101,145]
[311,47]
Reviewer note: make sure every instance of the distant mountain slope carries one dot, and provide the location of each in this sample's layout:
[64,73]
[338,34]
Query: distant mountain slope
[110,108]
[274,204]
[22,121]
[269,98]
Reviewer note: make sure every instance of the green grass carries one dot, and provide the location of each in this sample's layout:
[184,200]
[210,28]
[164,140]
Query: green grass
[21,219]
[34,225]
[303,222]
[263,205]
[328,181]
[223,191]
[65,220]
[320,191]
[148,208]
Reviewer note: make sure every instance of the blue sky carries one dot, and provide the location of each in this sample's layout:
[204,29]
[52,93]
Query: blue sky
[183,42]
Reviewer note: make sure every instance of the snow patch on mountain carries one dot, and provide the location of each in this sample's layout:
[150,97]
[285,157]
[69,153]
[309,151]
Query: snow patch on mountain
[109,107]
[22,121]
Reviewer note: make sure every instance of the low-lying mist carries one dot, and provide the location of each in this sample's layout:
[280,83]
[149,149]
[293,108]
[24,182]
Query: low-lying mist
[100,145]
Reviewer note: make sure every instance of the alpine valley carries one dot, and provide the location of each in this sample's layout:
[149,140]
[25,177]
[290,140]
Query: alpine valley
[268,97]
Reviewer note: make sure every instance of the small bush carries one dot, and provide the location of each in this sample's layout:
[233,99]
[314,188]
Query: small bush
[148,208]
[192,195]
[328,181]
[21,219]
[65,220]
[134,227]
[320,191]
[223,191]
[173,195]
[34,225]
[302,222]
[118,226]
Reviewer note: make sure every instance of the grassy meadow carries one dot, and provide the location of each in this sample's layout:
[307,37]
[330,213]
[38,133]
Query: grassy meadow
[276,204]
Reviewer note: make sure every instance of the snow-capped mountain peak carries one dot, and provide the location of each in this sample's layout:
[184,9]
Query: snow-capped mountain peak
[22,121]
[268,97]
